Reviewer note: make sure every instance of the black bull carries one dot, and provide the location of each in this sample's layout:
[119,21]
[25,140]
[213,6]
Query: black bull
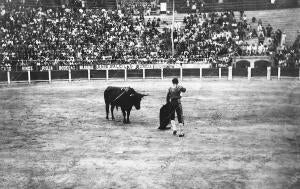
[125,98]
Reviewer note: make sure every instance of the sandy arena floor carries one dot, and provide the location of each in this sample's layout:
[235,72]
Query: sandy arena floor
[239,134]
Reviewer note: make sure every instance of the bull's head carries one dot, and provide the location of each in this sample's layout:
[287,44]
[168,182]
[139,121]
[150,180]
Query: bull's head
[136,99]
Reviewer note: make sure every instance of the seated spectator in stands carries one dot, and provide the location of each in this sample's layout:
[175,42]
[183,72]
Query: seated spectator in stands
[261,38]
[269,30]
[277,37]
[283,39]
[244,18]
[254,34]
[260,49]
[194,8]
[260,30]
[259,22]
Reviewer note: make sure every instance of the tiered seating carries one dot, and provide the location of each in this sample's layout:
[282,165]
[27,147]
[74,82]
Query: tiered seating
[169,18]
[110,4]
[286,20]
[93,34]
[244,5]
[181,5]
[238,5]
[31,2]
[166,20]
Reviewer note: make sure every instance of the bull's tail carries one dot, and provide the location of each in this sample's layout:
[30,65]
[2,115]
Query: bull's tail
[106,103]
[115,105]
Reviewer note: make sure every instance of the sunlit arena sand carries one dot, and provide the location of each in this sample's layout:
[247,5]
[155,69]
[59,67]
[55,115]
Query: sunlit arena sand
[238,134]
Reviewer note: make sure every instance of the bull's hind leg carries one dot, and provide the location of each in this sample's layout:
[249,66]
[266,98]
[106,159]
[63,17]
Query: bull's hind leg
[124,115]
[112,112]
[128,114]
[107,110]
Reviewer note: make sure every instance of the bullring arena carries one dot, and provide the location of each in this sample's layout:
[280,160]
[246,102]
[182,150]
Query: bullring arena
[238,60]
[239,134]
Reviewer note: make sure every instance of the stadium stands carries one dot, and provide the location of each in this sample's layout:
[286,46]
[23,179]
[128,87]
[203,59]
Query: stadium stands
[72,36]
[184,6]
[286,20]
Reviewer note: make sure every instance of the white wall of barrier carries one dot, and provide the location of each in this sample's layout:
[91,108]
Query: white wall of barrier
[249,73]
[162,76]
[49,75]
[230,73]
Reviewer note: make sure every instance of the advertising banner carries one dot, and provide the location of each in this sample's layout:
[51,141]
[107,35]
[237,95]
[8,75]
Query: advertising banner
[46,68]
[129,66]
[65,68]
[27,68]
[5,68]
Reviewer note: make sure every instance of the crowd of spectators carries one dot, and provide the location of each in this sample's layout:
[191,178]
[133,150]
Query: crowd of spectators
[136,7]
[70,36]
[75,34]
[288,56]
[218,37]
[194,5]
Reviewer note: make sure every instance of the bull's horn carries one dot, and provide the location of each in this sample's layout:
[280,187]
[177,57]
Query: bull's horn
[145,95]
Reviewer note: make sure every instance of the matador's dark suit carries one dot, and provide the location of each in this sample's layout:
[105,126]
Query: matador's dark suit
[174,97]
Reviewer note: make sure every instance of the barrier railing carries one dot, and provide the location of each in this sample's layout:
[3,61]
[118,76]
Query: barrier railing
[41,65]
[125,74]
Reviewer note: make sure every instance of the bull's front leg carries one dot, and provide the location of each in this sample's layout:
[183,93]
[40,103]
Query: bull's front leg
[124,115]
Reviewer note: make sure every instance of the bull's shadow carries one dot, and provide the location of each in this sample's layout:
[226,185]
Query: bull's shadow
[124,98]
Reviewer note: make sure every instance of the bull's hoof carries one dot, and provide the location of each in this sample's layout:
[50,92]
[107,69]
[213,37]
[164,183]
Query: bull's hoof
[107,118]
[124,121]
[112,118]
[164,128]
[128,122]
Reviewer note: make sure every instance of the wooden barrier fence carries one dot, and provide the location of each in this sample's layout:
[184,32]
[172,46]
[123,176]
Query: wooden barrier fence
[144,73]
